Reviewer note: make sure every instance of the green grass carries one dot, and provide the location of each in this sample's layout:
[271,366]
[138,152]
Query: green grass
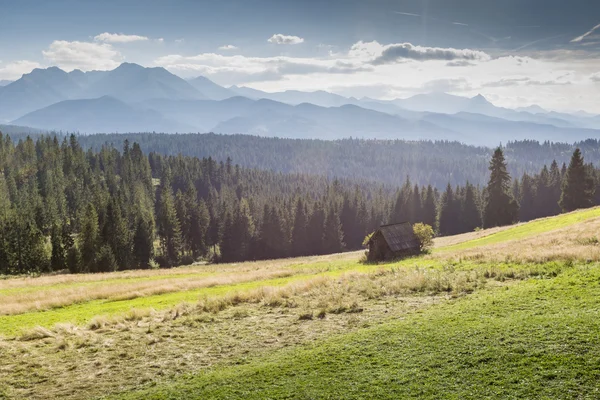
[528,229]
[535,339]
[82,313]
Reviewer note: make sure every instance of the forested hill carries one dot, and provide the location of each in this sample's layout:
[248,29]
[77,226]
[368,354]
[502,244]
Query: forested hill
[426,162]
[62,207]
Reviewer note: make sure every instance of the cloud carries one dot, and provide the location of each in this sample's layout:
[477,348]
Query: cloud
[506,82]
[278,38]
[395,52]
[118,38]
[160,40]
[588,33]
[234,69]
[82,55]
[447,85]
[228,47]
[595,77]
[16,69]
[459,63]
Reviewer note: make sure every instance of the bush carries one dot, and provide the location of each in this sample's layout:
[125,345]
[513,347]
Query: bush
[425,235]
[367,238]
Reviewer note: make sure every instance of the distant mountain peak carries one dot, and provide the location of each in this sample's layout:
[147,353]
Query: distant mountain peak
[480,98]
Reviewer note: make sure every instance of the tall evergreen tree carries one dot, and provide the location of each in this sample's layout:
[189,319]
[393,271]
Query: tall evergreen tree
[448,213]
[143,244]
[169,226]
[333,237]
[500,207]
[299,243]
[315,230]
[471,215]
[578,185]
[429,208]
[89,239]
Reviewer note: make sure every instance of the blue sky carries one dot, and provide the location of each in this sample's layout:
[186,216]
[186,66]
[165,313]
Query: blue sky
[377,48]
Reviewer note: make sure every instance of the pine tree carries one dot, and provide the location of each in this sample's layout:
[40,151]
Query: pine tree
[448,213]
[578,186]
[333,237]
[199,224]
[429,208]
[555,183]
[500,207]
[117,235]
[415,213]
[471,216]
[143,244]
[299,231]
[227,245]
[315,230]
[169,227]
[58,260]
[528,207]
[89,239]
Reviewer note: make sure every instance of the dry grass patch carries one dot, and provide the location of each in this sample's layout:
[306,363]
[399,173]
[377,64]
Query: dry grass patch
[569,244]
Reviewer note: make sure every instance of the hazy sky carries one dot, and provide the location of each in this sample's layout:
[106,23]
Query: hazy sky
[515,52]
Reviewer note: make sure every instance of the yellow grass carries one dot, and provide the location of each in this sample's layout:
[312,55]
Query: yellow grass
[578,242]
[29,294]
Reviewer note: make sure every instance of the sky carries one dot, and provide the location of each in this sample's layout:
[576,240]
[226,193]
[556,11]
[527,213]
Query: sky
[514,52]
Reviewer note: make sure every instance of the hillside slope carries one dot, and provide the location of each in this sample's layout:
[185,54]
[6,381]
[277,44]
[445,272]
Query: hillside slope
[509,312]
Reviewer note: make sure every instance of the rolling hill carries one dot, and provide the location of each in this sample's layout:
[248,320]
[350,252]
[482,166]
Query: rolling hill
[105,114]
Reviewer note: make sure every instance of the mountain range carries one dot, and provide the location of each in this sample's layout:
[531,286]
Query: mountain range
[132,98]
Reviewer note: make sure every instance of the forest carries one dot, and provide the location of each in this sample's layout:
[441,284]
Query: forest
[67,208]
[435,163]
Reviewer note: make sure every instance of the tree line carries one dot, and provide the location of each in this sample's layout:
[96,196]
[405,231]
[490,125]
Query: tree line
[386,161]
[63,207]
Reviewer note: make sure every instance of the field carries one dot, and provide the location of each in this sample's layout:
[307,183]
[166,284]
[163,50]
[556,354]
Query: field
[504,313]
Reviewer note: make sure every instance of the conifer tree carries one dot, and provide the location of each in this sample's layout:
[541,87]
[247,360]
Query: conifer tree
[315,230]
[89,238]
[58,260]
[299,232]
[471,216]
[429,207]
[414,206]
[227,245]
[500,207]
[143,244]
[333,237]
[448,213]
[117,235]
[555,183]
[528,206]
[578,185]
[169,226]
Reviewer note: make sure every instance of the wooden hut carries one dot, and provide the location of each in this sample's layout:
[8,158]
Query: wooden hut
[393,241]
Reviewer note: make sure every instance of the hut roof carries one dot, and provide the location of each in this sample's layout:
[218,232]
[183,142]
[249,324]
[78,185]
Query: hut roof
[400,237]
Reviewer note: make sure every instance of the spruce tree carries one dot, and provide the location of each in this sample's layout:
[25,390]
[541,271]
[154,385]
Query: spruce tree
[471,215]
[500,206]
[58,260]
[89,239]
[333,237]
[169,227]
[143,244]
[429,208]
[315,230]
[528,207]
[448,213]
[578,185]
[299,231]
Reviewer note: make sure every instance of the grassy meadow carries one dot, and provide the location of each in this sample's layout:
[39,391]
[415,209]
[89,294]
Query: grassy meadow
[510,312]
